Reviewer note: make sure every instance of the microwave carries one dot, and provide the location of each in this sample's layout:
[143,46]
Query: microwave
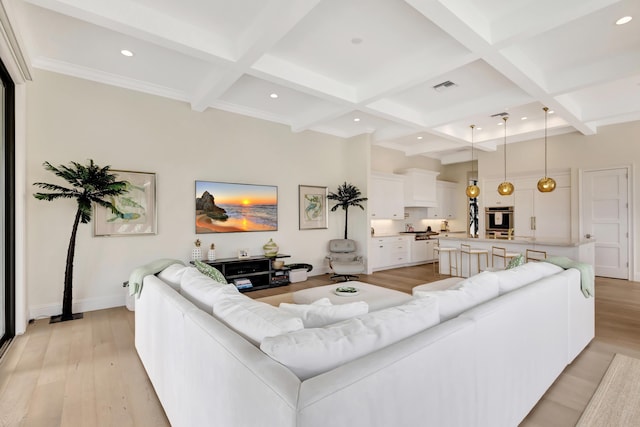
[499,218]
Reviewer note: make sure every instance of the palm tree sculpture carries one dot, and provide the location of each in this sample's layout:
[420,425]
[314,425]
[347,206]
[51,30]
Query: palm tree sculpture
[346,196]
[91,184]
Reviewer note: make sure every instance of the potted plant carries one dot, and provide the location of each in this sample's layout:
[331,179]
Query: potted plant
[347,195]
[89,184]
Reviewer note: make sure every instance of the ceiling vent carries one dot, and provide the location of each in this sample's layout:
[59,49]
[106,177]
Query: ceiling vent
[444,86]
[499,114]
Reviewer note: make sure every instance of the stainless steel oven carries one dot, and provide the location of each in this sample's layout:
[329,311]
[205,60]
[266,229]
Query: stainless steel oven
[499,221]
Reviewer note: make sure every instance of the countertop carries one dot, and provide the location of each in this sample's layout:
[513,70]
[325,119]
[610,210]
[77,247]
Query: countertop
[517,240]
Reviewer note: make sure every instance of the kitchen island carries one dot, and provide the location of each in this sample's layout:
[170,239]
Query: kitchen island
[579,250]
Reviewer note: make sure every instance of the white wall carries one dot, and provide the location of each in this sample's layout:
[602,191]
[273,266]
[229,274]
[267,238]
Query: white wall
[612,146]
[73,119]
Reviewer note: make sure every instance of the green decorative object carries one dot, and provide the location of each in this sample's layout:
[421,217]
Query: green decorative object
[89,184]
[516,261]
[210,271]
[270,248]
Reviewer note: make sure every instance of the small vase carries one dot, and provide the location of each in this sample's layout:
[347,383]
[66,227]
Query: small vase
[211,254]
[196,253]
[270,248]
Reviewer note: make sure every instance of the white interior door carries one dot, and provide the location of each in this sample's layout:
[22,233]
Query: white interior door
[605,218]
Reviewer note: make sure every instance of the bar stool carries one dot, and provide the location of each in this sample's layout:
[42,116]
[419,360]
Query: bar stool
[534,255]
[501,253]
[468,250]
[449,251]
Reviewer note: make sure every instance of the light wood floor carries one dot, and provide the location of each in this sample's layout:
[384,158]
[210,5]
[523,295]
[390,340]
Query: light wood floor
[87,373]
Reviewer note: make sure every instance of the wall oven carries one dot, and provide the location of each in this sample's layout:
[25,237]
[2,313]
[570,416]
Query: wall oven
[499,221]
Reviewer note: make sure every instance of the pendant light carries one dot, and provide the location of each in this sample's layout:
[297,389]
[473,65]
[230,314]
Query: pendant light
[505,188]
[546,184]
[473,190]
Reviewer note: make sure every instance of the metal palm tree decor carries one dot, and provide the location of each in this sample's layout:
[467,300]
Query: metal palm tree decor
[90,184]
[347,195]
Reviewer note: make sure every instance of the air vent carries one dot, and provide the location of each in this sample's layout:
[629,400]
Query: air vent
[499,114]
[444,86]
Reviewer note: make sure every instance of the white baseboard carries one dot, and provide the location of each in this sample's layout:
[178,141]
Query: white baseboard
[79,306]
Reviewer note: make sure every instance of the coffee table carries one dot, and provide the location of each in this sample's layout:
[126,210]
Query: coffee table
[376,296]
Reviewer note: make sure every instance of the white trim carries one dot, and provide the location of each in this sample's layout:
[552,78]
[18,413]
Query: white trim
[632,274]
[11,46]
[79,306]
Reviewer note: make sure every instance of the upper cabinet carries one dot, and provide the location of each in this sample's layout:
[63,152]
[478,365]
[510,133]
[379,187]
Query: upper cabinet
[420,187]
[446,198]
[386,199]
[490,196]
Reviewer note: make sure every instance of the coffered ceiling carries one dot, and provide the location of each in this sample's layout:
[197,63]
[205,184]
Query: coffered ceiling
[348,67]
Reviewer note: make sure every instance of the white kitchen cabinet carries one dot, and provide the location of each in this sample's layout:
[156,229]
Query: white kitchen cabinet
[422,251]
[419,187]
[542,215]
[489,194]
[446,193]
[386,198]
[389,252]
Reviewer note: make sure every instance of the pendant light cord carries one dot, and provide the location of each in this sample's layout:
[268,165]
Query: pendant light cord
[472,168]
[505,147]
[546,112]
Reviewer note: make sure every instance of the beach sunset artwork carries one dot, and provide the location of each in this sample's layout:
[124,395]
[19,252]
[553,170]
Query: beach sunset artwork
[223,207]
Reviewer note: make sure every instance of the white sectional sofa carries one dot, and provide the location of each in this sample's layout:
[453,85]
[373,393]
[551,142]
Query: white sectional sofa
[486,366]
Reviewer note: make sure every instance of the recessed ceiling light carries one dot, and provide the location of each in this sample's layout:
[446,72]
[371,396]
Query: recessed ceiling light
[420,137]
[273,96]
[126,52]
[478,128]
[357,119]
[551,111]
[523,118]
[624,20]
[500,124]
[356,40]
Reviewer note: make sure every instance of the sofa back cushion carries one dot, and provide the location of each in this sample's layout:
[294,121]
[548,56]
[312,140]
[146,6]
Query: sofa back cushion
[252,319]
[464,295]
[200,289]
[172,275]
[514,278]
[310,352]
[322,312]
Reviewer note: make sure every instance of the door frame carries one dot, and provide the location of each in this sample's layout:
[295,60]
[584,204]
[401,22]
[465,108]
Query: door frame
[631,272]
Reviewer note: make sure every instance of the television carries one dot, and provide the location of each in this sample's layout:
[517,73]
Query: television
[224,207]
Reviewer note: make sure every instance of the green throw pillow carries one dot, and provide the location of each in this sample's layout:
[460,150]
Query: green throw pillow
[516,261]
[210,271]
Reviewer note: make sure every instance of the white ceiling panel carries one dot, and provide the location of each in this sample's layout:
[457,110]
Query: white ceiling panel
[332,61]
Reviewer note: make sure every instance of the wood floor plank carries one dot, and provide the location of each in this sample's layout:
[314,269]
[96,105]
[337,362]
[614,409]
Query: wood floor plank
[87,372]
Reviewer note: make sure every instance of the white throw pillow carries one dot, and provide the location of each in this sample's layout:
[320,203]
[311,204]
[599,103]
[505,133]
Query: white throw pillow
[514,278]
[310,352]
[200,289]
[439,285]
[172,275]
[318,313]
[252,319]
[465,295]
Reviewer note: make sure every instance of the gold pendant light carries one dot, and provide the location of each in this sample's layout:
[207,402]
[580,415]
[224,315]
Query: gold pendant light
[473,190]
[546,184]
[505,188]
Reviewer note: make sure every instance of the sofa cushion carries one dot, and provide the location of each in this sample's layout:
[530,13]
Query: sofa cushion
[210,271]
[252,319]
[514,278]
[200,289]
[464,295]
[322,312]
[172,275]
[310,352]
